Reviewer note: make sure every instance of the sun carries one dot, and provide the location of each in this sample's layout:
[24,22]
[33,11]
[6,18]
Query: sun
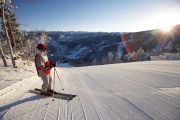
[167,28]
[165,20]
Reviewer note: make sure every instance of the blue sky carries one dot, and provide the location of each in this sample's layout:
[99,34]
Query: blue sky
[96,15]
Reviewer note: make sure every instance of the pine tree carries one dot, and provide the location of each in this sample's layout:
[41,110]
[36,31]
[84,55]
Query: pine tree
[5,12]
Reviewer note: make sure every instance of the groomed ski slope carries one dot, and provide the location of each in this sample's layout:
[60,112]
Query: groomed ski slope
[129,91]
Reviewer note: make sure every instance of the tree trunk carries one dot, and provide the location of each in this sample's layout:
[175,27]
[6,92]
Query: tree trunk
[8,38]
[12,34]
[3,57]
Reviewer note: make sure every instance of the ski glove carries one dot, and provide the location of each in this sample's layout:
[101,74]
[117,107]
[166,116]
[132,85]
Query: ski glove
[53,64]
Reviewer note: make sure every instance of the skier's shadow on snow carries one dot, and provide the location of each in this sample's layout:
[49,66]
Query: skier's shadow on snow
[32,98]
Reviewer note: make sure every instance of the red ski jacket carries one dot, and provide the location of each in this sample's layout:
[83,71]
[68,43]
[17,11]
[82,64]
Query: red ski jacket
[46,64]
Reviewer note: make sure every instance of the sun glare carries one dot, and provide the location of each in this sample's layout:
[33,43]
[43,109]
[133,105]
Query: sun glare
[168,21]
[166,28]
[165,20]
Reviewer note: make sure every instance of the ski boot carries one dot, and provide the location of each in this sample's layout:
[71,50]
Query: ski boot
[46,93]
[52,91]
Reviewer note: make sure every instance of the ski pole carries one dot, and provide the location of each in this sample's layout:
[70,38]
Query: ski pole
[54,82]
[59,79]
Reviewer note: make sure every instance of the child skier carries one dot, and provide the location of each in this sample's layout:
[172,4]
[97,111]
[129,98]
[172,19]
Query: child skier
[43,67]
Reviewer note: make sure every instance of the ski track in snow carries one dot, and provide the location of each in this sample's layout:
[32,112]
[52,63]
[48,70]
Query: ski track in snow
[130,91]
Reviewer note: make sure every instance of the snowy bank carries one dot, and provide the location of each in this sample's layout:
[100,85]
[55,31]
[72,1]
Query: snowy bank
[167,56]
[13,78]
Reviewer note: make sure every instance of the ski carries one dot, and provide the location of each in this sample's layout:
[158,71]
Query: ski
[58,95]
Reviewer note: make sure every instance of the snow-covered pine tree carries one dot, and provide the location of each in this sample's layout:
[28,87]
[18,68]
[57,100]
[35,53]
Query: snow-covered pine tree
[5,21]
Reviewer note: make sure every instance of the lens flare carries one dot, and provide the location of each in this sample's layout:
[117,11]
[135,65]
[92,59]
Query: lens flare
[167,28]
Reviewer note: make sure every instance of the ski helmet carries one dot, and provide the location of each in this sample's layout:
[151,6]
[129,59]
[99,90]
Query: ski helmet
[41,47]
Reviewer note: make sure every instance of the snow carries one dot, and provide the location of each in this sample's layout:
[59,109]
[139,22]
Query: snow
[64,65]
[167,56]
[10,75]
[128,91]
[174,90]
[74,54]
